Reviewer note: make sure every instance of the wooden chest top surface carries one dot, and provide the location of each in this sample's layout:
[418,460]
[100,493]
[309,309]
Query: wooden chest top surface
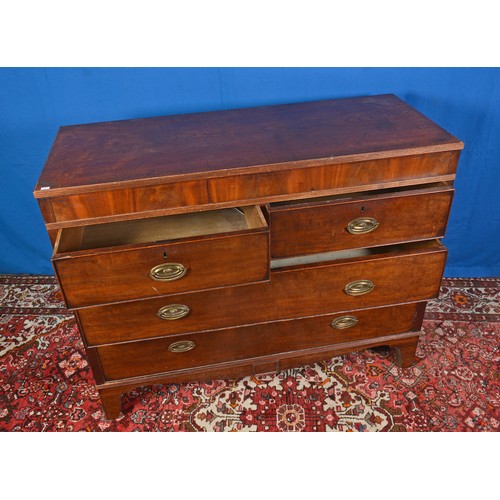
[112,154]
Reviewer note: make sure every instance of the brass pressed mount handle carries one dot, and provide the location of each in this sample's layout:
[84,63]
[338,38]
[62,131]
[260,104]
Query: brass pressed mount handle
[170,271]
[173,311]
[362,225]
[359,287]
[181,346]
[344,322]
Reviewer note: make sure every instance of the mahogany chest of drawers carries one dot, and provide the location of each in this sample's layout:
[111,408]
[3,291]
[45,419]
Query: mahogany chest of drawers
[223,244]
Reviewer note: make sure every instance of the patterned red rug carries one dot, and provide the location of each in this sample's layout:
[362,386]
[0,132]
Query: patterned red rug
[47,385]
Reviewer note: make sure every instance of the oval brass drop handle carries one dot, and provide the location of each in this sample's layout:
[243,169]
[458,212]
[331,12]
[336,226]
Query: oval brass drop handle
[173,311]
[169,271]
[362,225]
[344,322]
[359,287]
[181,346]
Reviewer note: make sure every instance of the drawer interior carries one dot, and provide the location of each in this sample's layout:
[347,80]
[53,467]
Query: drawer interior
[160,229]
[354,254]
[435,186]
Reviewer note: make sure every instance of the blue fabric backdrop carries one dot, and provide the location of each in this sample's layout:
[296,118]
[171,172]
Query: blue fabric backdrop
[34,102]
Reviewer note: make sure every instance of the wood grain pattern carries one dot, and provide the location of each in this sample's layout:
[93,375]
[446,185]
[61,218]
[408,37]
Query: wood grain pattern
[124,274]
[403,276]
[210,245]
[45,205]
[321,226]
[195,144]
[106,219]
[244,317]
[152,356]
[111,392]
[328,177]
[128,201]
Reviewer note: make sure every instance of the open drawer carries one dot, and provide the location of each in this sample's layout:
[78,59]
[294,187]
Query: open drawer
[348,221]
[163,255]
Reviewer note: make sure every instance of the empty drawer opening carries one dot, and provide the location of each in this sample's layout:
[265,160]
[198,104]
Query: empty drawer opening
[160,229]
[354,254]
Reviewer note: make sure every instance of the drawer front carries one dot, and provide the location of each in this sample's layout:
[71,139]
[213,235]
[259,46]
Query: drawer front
[332,177]
[148,357]
[114,202]
[291,293]
[199,264]
[368,221]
